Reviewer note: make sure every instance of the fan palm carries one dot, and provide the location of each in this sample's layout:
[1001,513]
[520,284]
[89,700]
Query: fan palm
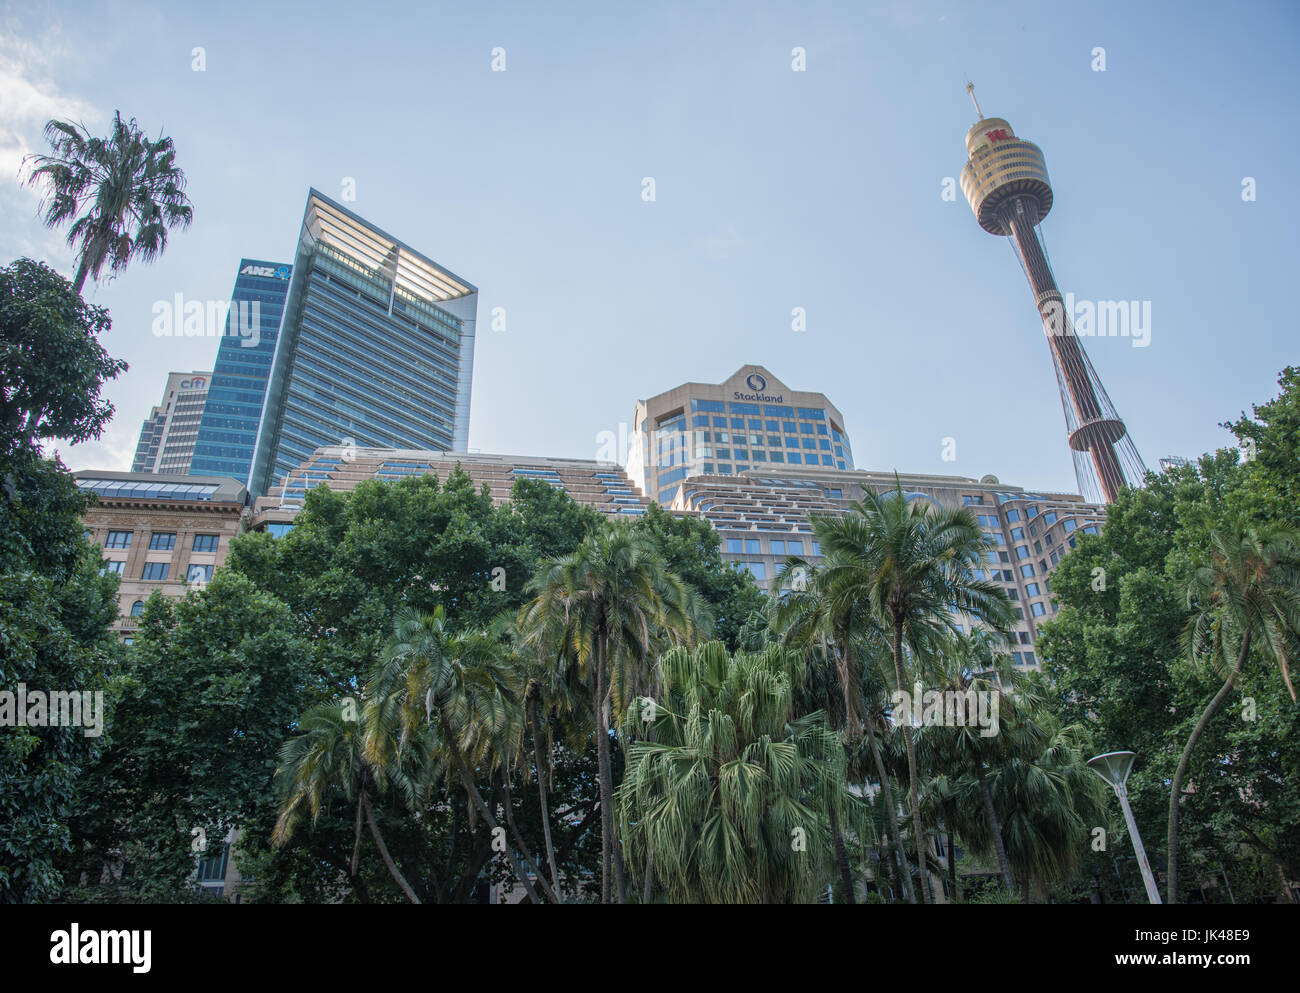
[121,194]
[464,679]
[609,606]
[327,755]
[911,564]
[728,794]
[841,632]
[1248,592]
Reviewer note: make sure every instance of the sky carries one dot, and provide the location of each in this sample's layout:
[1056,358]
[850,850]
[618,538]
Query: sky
[774,189]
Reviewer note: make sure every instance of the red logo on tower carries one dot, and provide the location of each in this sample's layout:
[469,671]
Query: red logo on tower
[998,134]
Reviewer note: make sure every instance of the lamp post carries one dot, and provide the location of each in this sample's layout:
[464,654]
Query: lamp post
[1114,767]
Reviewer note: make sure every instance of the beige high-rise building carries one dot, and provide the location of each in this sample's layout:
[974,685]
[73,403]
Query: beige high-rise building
[751,420]
[168,434]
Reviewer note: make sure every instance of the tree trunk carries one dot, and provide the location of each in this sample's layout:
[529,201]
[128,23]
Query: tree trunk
[995,829]
[887,793]
[953,893]
[546,810]
[913,792]
[649,876]
[1171,884]
[842,858]
[507,806]
[477,799]
[383,851]
[609,830]
[606,776]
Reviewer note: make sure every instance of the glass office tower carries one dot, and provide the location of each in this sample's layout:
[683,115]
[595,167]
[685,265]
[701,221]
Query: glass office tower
[376,348]
[237,394]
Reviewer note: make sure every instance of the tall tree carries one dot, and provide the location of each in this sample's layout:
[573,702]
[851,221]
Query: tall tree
[1247,594]
[121,193]
[912,564]
[728,794]
[52,366]
[609,606]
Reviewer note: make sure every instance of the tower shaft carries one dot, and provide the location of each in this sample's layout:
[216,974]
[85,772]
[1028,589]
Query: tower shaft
[1094,428]
[1005,181]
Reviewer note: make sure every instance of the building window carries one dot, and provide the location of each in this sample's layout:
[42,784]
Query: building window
[198,574]
[735,546]
[751,547]
[1027,571]
[1017,534]
[162,541]
[972,501]
[1013,516]
[155,571]
[118,539]
[137,608]
[1022,551]
[1032,590]
[835,494]
[116,568]
[205,542]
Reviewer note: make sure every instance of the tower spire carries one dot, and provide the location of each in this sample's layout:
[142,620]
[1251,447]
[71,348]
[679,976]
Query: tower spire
[970,88]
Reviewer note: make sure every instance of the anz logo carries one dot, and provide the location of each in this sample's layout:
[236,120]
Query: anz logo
[269,272]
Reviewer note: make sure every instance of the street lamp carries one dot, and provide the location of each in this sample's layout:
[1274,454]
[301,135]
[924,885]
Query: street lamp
[1114,767]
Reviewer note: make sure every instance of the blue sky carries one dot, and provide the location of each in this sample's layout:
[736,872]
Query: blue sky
[775,189]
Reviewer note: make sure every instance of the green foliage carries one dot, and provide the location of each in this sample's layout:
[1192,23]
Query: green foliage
[213,686]
[52,366]
[55,609]
[690,547]
[727,797]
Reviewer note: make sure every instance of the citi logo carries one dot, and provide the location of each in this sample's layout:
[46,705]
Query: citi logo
[92,947]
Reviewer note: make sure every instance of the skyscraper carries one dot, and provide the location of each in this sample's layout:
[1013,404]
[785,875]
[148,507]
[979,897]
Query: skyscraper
[167,436]
[1005,181]
[750,420]
[376,348]
[228,431]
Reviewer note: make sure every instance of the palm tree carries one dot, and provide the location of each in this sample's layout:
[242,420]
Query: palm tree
[328,755]
[121,193]
[976,664]
[466,681]
[911,565]
[726,791]
[840,632]
[1248,592]
[609,606]
[1049,800]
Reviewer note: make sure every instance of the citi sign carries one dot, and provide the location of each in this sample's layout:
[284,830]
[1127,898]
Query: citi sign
[197,383]
[758,384]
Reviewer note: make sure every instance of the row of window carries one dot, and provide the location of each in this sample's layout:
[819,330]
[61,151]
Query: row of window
[157,572]
[162,541]
[776,546]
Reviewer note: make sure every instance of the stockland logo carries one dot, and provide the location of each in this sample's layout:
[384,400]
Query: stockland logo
[181,318]
[756,382]
[93,947]
[1099,318]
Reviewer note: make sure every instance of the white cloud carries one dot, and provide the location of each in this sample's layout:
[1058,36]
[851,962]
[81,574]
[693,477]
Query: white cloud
[29,97]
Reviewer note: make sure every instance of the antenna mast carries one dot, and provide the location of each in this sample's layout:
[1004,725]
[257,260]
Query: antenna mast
[970,88]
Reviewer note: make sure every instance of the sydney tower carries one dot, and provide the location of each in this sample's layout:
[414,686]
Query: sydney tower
[1005,181]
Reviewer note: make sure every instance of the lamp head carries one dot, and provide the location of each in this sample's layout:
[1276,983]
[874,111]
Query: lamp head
[1113,767]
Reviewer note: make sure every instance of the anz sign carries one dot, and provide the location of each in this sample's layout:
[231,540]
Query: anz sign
[267,271]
